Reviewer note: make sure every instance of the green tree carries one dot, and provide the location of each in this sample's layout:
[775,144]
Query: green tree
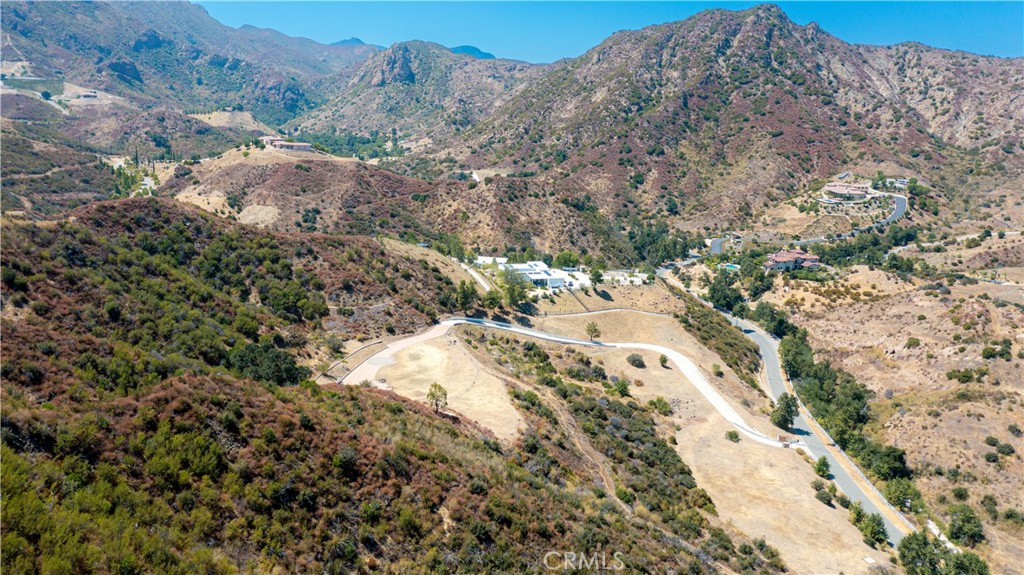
[437,396]
[964,526]
[721,292]
[596,277]
[873,529]
[636,360]
[663,360]
[785,411]
[919,554]
[822,467]
[491,299]
[901,493]
[467,296]
[593,331]
[514,285]
[566,259]
[965,564]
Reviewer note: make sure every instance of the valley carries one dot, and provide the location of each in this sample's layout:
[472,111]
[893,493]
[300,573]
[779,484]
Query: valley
[723,294]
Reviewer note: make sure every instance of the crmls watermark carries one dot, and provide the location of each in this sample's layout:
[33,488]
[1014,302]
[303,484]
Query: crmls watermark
[598,562]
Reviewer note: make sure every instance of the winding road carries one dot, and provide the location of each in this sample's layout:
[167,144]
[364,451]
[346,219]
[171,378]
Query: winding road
[367,370]
[898,212]
[813,438]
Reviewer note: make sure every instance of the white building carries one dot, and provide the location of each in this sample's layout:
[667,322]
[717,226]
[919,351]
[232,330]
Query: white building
[539,274]
[489,260]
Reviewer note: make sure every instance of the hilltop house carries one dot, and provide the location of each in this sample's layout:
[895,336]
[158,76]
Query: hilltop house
[848,191]
[785,260]
[280,143]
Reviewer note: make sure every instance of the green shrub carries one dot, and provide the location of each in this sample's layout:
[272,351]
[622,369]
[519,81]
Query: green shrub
[636,360]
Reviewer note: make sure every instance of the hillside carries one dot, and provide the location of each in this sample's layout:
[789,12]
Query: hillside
[726,111]
[419,88]
[306,192]
[171,53]
[154,404]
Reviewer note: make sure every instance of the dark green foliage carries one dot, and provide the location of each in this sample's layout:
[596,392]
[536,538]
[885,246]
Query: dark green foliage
[722,293]
[822,467]
[636,360]
[349,144]
[840,404]
[921,555]
[785,411]
[868,248]
[263,362]
[774,320]
[872,526]
[964,526]
[714,331]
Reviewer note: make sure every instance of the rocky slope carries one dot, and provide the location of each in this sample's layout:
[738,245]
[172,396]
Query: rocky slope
[172,53]
[726,110]
[419,88]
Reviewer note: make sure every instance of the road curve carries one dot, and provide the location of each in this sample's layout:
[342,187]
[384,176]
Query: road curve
[367,370]
[843,469]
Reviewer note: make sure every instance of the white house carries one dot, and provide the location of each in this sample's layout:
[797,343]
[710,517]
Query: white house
[489,260]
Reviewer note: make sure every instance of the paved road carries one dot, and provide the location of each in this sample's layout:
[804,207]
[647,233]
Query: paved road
[367,371]
[841,465]
[897,213]
[809,431]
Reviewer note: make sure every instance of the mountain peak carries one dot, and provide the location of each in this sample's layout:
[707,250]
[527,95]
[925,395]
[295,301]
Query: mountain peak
[473,51]
[353,41]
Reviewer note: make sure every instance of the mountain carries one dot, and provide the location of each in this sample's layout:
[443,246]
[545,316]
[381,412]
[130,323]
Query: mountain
[172,53]
[472,51]
[419,88]
[726,110]
[159,402]
[349,42]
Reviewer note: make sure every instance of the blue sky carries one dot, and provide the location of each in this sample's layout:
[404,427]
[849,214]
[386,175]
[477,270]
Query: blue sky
[548,31]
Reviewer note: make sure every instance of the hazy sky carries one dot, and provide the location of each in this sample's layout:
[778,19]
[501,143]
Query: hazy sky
[548,31]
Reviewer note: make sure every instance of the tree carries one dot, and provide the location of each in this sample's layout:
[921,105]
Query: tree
[919,555]
[566,259]
[437,396]
[491,299]
[514,285]
[901,493]
[636,360]
[822,467]
[467,296]
[721,292]
[596,277]
[964,525]
[824,496]
[785,411]
[965,564]
[873,529]
[593,331]
[663,360]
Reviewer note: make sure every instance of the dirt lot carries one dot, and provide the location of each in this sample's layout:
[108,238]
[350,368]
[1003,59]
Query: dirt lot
[238,120]
[758,490]
[473,391]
